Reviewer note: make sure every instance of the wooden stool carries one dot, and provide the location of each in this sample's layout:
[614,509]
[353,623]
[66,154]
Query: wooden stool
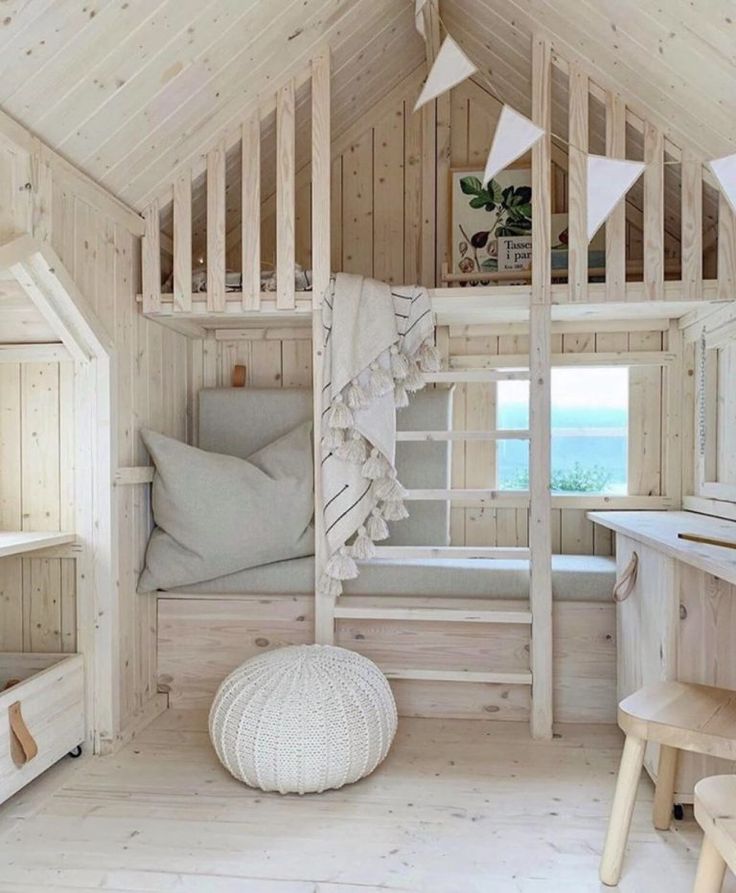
[678,716]
[715,810]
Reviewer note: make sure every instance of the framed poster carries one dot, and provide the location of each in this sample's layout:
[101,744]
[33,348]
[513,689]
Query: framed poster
[491,226]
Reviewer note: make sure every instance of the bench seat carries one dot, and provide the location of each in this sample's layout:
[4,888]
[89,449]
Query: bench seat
[575,578]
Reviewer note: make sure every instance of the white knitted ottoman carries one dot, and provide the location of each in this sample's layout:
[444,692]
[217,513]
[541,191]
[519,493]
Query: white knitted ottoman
[303,719]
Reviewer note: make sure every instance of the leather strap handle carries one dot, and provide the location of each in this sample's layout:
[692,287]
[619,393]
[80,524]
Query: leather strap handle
[626,582]
[23,747]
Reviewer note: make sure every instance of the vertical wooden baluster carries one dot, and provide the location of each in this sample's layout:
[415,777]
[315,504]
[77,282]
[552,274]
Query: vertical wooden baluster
[653,213]
[726,249]
[616,222]
[183,243]
[216,228]
[321,203]
[692,225]
[151,259]
[577,272]
[251,213]
[285,198]
[540,509]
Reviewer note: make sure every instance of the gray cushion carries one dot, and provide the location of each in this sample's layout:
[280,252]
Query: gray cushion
[575,578]
[218,514]
[237,421]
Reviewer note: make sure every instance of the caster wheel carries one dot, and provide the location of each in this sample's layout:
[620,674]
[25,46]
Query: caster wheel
[678,812]
[77,752]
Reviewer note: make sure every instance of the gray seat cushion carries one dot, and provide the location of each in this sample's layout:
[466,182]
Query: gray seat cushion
[575,578]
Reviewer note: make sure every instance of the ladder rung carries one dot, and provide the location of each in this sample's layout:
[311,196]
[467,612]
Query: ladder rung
[487,497]
[460,676]
[428,608]
[470,376]
[501,434]
[420,552]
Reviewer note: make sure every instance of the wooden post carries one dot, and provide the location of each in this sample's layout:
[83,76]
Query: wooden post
[540,541]
[183,242]
[726,249]
[616,223]
[321,180]
[653,213]
[692,225]
[285,198]
[577,273]
[250,233]
[151,259]
[216,228]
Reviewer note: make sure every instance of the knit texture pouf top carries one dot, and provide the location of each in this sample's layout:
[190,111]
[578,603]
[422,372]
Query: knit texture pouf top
[303,719]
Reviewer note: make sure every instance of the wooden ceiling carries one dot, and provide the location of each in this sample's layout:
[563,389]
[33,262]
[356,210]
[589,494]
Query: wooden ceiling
[132,90]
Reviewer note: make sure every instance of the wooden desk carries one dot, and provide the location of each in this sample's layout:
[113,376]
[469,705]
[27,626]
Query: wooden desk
[679,622]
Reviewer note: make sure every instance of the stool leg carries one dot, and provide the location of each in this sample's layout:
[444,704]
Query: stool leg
[711,869]
[629,774]
[664,793]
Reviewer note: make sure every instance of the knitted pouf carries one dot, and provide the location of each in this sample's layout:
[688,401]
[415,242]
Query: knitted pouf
[302,719]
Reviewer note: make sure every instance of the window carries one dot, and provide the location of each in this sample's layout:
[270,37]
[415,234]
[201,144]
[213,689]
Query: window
[590,423]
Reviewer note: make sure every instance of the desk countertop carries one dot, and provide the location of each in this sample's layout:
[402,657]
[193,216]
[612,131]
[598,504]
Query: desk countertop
[659,530]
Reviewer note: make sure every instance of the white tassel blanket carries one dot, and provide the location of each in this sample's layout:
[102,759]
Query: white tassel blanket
[377,341]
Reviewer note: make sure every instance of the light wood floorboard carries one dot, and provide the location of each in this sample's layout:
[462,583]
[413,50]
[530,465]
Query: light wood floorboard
[458,807]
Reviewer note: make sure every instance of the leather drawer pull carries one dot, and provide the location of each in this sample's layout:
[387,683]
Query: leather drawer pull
[23,747]
[626,582]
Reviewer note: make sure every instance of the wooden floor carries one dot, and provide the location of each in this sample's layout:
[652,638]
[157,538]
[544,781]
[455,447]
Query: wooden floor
[458,807]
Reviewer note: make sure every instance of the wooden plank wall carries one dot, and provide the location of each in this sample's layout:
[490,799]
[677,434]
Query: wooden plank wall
[152,390]
[37,595]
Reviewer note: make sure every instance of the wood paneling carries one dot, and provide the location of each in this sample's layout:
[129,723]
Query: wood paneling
[202,639]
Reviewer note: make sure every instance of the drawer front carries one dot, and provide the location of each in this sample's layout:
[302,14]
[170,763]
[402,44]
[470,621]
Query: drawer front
[52,706]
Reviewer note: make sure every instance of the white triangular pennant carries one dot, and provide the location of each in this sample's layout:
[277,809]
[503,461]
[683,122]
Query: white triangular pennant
[609,179]
[418,17]
[450,68]
[724,170]
[514,136]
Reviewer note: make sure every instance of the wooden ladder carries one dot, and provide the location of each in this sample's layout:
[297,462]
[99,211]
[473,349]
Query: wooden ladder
[537,612]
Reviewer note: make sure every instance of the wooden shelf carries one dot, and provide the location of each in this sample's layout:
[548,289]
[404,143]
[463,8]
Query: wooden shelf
[13,542]
[453,306]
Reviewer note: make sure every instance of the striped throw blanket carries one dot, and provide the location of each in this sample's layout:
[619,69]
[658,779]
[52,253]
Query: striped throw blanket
[378,340]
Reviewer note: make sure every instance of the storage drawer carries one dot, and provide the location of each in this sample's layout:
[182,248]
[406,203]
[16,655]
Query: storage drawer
[51,698]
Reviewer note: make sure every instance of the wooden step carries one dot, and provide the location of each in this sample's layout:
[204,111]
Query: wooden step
[458,676]
[427,608]
[431,436]
[470,376]
[464,552]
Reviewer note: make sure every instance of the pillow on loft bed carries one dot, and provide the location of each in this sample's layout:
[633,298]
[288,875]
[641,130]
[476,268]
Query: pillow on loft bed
[217,514]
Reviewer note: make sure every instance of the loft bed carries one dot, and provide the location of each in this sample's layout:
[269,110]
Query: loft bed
[651,294]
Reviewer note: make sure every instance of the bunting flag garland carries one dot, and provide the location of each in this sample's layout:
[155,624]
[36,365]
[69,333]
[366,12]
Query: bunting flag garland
[450,68]
[724,170]
[514,136]
[609,179]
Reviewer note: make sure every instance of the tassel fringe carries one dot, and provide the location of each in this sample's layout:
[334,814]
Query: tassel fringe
[430,358]
[376,466]
[394,510]
[389,488]
[356,397]
[333,439]
[401,398]
[414,381]
[376,527]
[399,364]
[340,415]
[363,547]
[329,586]
[353,449]
[341,566]
[380,382]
